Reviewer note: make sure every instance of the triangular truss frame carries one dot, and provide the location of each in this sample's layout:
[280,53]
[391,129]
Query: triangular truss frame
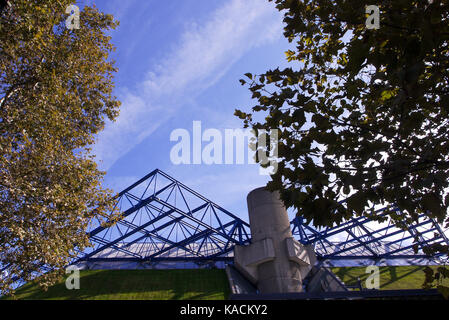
[363,239]
[164,220]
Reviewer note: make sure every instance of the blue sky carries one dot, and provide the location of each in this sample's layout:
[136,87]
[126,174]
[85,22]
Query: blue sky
[180,61]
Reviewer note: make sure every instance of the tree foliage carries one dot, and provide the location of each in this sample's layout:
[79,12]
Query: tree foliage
[55,93]
[362,113]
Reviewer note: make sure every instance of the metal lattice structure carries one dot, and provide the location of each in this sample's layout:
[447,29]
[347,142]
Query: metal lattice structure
[165,221]
[361,239]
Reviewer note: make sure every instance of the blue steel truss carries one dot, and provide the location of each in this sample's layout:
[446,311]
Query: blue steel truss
[164,220]
[364,239]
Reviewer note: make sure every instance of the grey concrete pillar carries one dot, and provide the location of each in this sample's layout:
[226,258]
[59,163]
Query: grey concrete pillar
[269,220]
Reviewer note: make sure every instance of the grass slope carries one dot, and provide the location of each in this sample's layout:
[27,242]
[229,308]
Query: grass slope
[137,285]
[192,284]
[391,278]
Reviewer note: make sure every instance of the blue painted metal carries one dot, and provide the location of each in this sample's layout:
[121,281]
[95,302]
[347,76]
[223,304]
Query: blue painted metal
[363,239]
[164,220]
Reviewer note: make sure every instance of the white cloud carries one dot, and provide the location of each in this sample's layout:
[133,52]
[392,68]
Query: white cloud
[202,56]
[206,52]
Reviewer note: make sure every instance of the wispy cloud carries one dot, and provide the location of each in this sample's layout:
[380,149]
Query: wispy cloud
[205,52]
[201,57]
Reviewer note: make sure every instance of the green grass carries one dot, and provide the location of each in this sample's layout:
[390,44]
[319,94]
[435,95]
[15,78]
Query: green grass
[204,284]
[391,278]
[207,284]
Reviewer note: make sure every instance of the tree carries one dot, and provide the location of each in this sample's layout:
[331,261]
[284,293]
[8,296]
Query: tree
[3,5]
[55,93]
[362,113]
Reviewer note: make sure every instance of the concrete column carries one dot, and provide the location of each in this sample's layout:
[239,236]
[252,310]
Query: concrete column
[269,220]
